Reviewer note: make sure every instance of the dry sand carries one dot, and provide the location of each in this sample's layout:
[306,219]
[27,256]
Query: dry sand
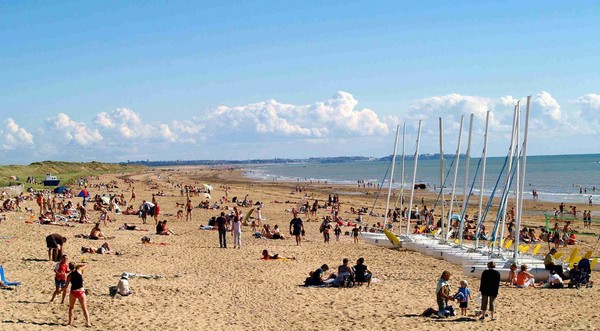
[225,289]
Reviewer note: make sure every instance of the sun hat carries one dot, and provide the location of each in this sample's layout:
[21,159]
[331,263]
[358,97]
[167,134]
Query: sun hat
[125,275]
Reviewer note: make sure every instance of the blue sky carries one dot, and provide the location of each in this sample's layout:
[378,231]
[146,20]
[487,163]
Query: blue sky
[115,81]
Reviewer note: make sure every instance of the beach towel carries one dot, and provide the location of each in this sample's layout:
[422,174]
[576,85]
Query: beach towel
[3,278]
[130,275]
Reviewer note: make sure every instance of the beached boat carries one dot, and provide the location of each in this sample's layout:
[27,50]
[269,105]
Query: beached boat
[51,180]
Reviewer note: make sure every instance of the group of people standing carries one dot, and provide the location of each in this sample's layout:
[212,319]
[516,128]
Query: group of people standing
[489,286]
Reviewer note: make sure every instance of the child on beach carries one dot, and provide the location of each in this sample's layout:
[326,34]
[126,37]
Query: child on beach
[355,233]
[60,278]
[463,296]
[512,275]
[337,232]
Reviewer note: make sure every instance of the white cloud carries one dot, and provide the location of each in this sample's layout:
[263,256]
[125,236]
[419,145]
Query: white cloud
[71,131]
[452,106]
[271,128]
[124,122]
[589,113]
[337,116]
[14,136]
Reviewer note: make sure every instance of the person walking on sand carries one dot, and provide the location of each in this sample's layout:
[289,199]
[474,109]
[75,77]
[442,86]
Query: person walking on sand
[296,228]
[236,229]
[355,232]
[337,232]
[60,278]
[489,285]
[132,194]
[77,292]
[222,228]
[156,211]
[188,210]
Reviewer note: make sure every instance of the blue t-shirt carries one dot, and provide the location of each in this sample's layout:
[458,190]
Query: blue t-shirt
[465,291]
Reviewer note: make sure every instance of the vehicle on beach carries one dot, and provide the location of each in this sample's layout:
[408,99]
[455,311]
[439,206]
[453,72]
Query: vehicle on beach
[51,180]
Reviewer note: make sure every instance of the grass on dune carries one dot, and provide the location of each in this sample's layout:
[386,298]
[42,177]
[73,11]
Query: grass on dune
[68,172]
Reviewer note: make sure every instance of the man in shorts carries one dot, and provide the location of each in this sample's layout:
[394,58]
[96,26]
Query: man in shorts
[296,228]
[55,243]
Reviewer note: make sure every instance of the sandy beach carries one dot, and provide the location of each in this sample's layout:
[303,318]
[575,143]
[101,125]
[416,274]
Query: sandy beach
[203,287]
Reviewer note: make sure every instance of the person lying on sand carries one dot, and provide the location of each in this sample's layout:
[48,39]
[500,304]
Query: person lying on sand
[267,256]
[104,249]
[131,227]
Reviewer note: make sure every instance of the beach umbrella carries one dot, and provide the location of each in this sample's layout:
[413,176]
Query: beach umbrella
[206,195]
[83,193]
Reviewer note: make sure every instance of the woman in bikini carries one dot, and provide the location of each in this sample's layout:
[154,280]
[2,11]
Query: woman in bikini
[77,292]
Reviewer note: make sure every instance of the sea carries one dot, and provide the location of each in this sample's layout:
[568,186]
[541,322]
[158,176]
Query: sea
[555,178]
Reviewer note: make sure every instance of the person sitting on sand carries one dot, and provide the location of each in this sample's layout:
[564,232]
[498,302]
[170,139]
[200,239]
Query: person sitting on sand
[316,277]
[161,228]
[524,278]
[362,274]
[123,285]
[96,233]
[345,274]
[83,218]
[512,275]
[276,233]
[267,256]
[130,211]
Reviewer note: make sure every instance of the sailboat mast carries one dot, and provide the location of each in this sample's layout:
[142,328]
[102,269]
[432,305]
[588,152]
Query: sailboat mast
[412,192]
[466,183]
[456,162]
[391,181]
[522,181]
[442,173]
[402,176]
[507,183]
[517,185]
[484,157]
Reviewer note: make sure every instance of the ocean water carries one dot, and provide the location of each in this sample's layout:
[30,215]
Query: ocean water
[556,178]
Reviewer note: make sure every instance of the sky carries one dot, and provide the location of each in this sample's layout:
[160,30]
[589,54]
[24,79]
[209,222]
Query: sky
[113,81]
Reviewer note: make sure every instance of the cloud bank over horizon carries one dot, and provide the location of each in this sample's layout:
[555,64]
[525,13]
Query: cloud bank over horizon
[270,129]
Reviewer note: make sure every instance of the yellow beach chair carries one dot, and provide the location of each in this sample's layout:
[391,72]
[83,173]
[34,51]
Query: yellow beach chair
[537,249]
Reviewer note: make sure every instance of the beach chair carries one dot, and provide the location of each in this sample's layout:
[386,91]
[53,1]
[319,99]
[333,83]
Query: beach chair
[525,249]
[537,249]
[3,278]
[588,254]
[508,244]
[557,255]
